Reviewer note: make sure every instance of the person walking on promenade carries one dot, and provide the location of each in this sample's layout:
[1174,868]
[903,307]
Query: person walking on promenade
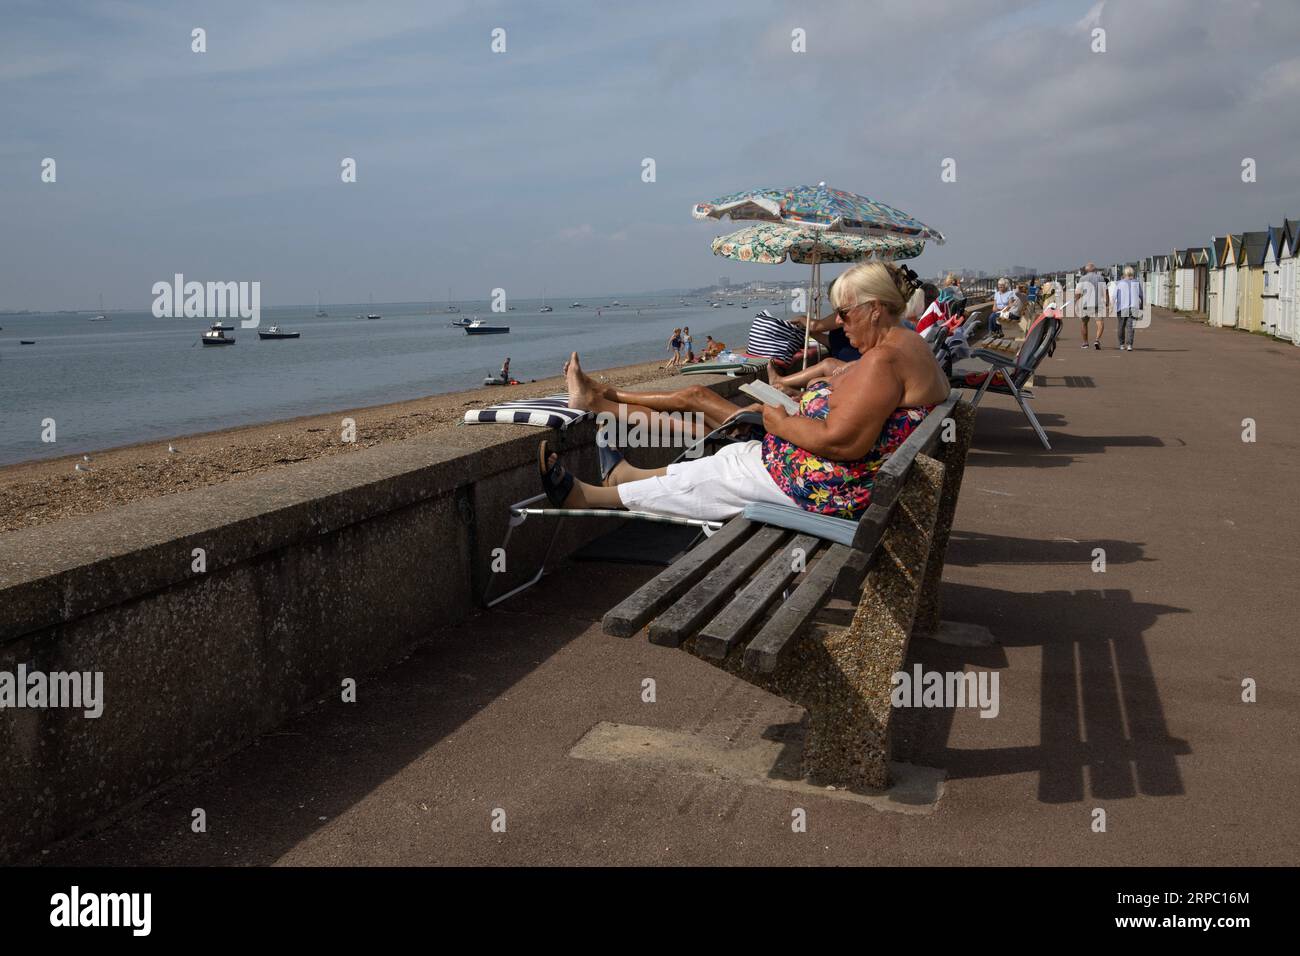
[1092,301]
[1129,303]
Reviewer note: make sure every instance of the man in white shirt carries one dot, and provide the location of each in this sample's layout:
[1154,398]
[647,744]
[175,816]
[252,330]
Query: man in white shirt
[1128,306]
[1092,301]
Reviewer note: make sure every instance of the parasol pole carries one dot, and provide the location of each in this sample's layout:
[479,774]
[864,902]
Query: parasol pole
[814,301]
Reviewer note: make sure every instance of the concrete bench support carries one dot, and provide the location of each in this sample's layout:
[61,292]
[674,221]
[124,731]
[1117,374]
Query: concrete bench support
[842,676]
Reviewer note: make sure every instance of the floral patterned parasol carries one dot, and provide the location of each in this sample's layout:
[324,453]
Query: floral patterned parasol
[820,208]
[773,242]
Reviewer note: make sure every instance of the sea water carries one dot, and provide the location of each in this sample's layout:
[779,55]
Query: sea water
[137,378]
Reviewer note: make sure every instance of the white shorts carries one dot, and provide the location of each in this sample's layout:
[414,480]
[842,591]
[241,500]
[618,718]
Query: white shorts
[713,489]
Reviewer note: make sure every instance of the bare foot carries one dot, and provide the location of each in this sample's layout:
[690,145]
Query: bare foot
[583,392]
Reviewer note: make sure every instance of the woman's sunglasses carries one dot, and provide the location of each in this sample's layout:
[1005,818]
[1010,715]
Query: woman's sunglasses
[843,314]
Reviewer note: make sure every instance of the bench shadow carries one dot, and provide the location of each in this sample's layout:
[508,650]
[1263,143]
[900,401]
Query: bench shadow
[1102,728]
[1004,438]
[970,549]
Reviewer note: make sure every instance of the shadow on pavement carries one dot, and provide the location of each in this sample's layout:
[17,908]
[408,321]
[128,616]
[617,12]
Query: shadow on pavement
[971,549]
[1103,733]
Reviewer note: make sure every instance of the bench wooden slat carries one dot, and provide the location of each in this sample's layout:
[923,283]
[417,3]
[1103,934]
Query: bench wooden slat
[736,620]
[632,613]
[893,473]
[778,634]
[696,606]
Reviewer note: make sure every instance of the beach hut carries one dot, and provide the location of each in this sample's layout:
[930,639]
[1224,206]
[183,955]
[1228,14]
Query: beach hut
[1182,269]
[1214,283]
[1250,281]
[1231,298]
[1271,319]
[1149,280]
[1288,279]
[1201,279]
[1163,276]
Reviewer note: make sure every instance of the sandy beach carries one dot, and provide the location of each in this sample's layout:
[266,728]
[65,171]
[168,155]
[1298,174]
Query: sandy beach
[39,492]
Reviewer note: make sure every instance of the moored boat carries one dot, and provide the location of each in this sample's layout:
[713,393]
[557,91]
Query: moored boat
[217,336]
[479,327]
[275,332]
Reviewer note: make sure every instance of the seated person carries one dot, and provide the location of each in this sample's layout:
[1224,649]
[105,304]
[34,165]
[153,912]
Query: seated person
[829,334]
[793,382]
[825,458]
[645,408]
[1006,306]
[951,295]
[712,348]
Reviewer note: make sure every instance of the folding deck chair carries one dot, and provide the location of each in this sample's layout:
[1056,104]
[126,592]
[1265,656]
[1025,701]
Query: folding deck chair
[1009,376]
[520,511]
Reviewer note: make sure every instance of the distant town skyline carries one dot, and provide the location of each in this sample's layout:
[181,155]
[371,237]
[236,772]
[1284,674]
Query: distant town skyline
[518,159]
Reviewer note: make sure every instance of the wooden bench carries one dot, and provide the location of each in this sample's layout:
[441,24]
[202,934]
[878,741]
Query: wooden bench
[754,599]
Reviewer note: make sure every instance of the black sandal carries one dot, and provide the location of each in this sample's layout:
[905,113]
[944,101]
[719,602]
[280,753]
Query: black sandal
[610,458]
[556,481]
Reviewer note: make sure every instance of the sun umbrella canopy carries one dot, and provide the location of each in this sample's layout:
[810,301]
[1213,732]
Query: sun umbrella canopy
[817,207]
[772,243]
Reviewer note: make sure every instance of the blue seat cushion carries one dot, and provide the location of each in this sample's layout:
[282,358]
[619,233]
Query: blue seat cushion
[794,518]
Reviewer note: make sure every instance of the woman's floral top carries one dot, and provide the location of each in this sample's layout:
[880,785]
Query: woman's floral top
[839,488]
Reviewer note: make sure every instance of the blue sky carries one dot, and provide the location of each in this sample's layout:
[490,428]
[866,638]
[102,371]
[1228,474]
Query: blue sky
[522,170]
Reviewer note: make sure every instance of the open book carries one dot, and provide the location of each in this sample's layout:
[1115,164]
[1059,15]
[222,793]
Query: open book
[770,395]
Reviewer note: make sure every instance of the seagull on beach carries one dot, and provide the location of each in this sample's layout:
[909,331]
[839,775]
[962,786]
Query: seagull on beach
[172,449]
[85,458]
[80,467]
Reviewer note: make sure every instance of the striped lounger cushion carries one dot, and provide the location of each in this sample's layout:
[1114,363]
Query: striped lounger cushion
[553,411]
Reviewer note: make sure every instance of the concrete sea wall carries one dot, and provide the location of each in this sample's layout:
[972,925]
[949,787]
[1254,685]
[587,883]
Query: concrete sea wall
[311,574]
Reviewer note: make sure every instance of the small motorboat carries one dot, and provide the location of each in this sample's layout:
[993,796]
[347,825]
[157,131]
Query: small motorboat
[373,315]
[275,332]
[576,305]
[26,341]
[216,336]
[716,306]
[479,327]
[459,323]
[218,327]
[546,308]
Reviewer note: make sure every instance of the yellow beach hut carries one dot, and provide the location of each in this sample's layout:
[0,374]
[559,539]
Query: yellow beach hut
[1250,281]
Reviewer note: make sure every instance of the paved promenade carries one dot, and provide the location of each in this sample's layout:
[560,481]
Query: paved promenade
[1118,690]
